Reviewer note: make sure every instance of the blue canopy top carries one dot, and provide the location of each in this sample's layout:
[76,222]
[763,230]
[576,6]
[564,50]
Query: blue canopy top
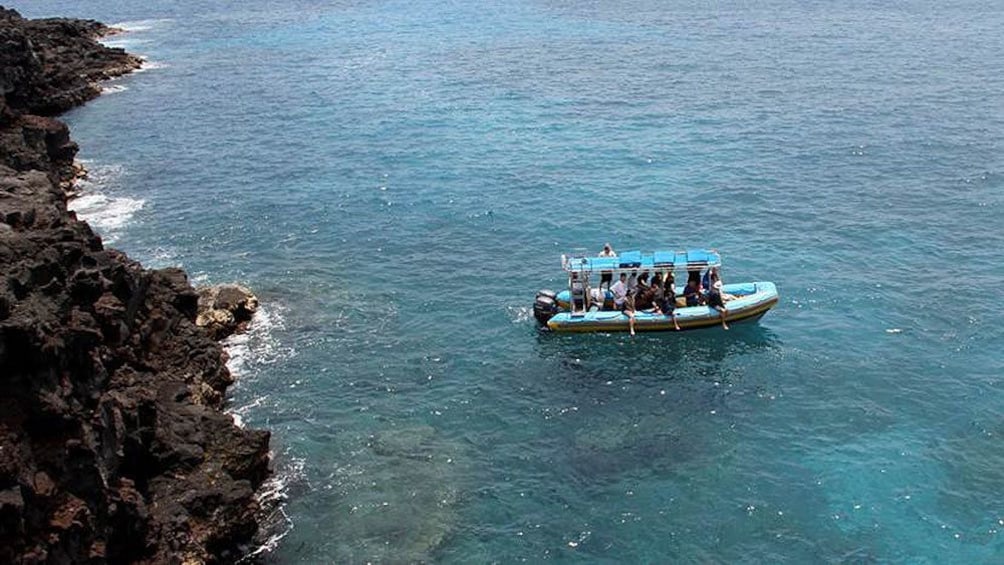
[691,259]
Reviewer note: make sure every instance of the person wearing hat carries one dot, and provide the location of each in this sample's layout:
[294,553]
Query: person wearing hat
[715,299]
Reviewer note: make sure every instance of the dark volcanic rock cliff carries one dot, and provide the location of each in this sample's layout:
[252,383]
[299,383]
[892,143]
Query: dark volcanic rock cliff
[113,447]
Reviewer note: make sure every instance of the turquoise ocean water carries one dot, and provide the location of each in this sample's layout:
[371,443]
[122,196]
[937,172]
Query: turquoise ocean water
[397,179]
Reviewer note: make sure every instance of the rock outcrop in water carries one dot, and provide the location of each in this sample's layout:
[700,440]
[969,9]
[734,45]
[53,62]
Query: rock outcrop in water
[113,447]
[225,309]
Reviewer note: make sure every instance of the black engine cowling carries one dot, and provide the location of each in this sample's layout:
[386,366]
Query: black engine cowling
[545,306]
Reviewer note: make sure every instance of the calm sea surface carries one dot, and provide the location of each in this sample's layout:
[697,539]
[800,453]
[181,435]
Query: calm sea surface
[396,180]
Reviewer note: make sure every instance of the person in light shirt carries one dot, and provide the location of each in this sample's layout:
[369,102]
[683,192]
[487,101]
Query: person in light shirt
[620,291]
[624,301]
[607,276]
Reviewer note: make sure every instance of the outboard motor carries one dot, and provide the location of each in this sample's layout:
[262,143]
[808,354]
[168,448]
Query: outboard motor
[545,306]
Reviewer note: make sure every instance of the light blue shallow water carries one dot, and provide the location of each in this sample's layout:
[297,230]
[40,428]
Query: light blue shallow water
[397,179]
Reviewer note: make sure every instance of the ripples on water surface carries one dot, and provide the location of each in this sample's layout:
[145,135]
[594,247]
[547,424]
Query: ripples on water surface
[396,179]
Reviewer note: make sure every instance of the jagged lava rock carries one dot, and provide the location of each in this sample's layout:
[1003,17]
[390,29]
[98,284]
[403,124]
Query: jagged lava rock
[48,66]
[113,446]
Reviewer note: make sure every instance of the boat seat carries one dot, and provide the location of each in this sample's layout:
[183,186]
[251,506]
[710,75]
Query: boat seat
[629,259]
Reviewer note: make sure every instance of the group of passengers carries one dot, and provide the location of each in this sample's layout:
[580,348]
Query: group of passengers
[636,292]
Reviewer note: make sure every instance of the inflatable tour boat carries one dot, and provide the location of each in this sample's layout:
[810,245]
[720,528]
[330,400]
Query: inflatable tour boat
[563,312]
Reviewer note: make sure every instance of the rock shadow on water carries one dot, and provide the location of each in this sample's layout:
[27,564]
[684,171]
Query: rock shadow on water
[400,497]
[648,405]
[973,461]
[599,455]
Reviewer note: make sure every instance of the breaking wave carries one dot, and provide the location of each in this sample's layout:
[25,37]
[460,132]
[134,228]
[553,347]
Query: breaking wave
[97,205]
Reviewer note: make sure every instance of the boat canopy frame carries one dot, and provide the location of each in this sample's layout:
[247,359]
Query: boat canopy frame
[637,261]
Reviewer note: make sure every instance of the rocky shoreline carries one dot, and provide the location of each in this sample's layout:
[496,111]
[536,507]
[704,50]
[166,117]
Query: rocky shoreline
[113,444]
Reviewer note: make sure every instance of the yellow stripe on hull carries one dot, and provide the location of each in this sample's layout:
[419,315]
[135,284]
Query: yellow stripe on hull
[663,324]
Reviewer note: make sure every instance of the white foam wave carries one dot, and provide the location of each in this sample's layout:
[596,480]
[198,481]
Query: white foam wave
[96,205]
[273,496]
[161,257]
[126,38]
[249,353]
[199,278]
[106,213]
[122,42]
[238,413]
[113,88]
[150,66]
[140,25]
[520,314]
[257,346]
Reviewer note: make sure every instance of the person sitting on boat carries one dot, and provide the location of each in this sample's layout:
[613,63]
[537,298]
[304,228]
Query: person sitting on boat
[715,298]
[669,284]
[712,276]
[597,297]
[607,276]
[647,293]
[665,298]
[632,283]
[624,300]
[620,291]
[643,299]
[629,311]
[643,283]
[692,292]
[656,292]
[695,278]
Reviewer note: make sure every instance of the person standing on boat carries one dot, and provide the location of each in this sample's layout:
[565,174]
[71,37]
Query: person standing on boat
[607,276]
[715,298]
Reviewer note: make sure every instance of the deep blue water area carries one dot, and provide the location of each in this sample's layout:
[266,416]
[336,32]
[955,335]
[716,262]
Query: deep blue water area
[397,179]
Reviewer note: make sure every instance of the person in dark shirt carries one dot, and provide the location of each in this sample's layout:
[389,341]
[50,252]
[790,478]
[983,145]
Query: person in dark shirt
[666,301]
[579,292]
[643,293]
[715,298]
[692,292]
[643,280]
